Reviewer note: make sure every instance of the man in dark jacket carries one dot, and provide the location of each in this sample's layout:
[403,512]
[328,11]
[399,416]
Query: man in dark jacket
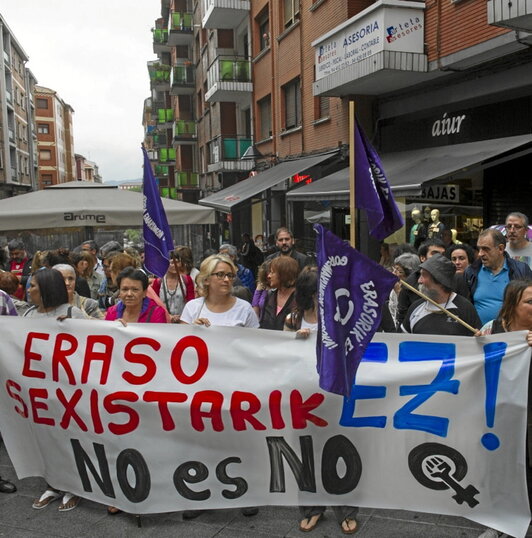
[407,297]
[19,264]
[284,241]
[488,277]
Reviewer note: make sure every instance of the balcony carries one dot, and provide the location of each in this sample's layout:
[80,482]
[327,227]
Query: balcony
[224,13]
[160,40]
[165,117]
[167,156]
[184,132]
[229,80]
[182,79]
[187,180]
[161,171]
[387,56]
[180,28]
[159,76]
[225,153]
[160,140]
[516,14]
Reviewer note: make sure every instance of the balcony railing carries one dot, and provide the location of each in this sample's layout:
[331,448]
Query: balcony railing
[165,115]
[229,79]
[180,28]
[185,130]
[187,180]
[160,140]
[160,36]
[182,80]
[161,171]
[224,13]
[228,148]
[167,155]
[159,75]
[168,192]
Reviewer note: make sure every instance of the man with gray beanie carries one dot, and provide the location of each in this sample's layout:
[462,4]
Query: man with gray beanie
[436,282]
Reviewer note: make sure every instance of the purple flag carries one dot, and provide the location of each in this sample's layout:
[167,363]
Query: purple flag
[372,190]
[352,290]
[157,236]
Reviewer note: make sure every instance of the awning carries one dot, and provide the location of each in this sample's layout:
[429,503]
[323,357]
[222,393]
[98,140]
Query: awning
[225,199]
[407,170]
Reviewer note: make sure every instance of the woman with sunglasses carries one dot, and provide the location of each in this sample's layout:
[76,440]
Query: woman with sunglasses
[216,304]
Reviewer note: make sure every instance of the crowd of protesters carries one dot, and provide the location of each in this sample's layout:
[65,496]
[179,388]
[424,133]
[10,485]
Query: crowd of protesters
[489,288]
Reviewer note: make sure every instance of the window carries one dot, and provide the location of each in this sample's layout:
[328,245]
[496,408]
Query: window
[46,179]
[265,117]
[42,103]
[263,27]
[292,104]
[45,155]
[321,108]
[43,128]
[291,12]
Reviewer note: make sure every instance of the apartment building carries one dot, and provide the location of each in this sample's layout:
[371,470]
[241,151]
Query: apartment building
[18,159]
[87,170]
[55,141]
[448,84]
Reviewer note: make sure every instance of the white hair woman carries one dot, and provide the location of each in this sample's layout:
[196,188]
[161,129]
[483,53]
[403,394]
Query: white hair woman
[216,304]
[88,306]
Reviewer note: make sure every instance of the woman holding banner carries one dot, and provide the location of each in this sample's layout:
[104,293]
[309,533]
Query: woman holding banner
[280,300]
[304,321]
[217,305]
[515,315]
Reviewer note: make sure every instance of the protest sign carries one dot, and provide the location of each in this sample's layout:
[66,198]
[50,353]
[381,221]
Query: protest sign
[156,418]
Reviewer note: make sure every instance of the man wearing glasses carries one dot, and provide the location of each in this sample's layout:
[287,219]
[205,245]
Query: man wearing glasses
[518,246]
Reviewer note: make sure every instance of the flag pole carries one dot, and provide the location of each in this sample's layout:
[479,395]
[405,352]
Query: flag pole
[352,204]
[450,314]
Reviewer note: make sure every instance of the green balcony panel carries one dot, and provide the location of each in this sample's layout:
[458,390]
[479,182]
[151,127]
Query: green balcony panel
[243,68]
[182,21]
[185,128]
[163,155]
[227,70]
[171,154]
[244,144]
[160,35]
[229,148]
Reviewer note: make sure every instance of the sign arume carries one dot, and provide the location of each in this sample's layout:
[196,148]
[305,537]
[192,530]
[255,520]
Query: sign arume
[163,418]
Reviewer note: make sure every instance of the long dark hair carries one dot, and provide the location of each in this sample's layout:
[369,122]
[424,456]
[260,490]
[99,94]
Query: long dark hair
[512,295]
[51,287]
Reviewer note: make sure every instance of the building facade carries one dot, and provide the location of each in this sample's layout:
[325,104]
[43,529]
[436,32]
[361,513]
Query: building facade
[55,141]
[449,87]
[87,170]
[18,158]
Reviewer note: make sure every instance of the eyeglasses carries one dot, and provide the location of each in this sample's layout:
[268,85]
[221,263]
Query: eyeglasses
[514,226]
[220,275]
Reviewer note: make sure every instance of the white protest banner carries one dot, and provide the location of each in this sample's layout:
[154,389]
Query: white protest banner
[157,418]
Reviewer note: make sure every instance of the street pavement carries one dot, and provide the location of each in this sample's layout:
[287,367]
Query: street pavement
[19,520]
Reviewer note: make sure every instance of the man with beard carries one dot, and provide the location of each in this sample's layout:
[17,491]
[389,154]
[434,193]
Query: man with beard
[436,282]
[284,241]
[19,264]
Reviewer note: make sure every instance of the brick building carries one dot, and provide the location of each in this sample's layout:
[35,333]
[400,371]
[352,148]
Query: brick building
[55,140]
[18,161]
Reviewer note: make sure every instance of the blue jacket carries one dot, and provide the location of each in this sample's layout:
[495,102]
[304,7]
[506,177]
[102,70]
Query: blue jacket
[517,271]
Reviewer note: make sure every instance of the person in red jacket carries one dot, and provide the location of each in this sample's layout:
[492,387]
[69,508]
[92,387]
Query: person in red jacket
[134,306]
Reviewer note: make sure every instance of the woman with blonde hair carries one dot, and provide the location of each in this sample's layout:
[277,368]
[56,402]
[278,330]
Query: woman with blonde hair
[216,304]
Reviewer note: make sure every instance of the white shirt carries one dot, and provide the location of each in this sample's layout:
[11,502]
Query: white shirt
[522,254]
[61,310]
[239,315]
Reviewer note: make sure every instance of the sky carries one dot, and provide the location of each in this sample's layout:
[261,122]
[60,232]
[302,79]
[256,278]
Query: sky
[93,54]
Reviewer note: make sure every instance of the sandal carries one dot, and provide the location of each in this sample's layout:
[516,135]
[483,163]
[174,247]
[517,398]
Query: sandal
[346,528]
[113,510]
[70,501]
[310,522]
[49,496]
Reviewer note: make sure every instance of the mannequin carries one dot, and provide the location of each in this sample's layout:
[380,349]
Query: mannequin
[418,232]
[436,227]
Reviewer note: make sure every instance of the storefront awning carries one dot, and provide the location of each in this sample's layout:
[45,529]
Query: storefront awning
[225,199]
[407,170]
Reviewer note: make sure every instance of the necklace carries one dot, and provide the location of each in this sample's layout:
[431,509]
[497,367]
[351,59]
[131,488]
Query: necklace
[167,289]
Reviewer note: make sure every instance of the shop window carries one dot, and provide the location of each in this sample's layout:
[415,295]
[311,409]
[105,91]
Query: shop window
[42,103]
[292,104]
[265,117]
[291,12]
[43,128]
[46,179]
[45,155]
